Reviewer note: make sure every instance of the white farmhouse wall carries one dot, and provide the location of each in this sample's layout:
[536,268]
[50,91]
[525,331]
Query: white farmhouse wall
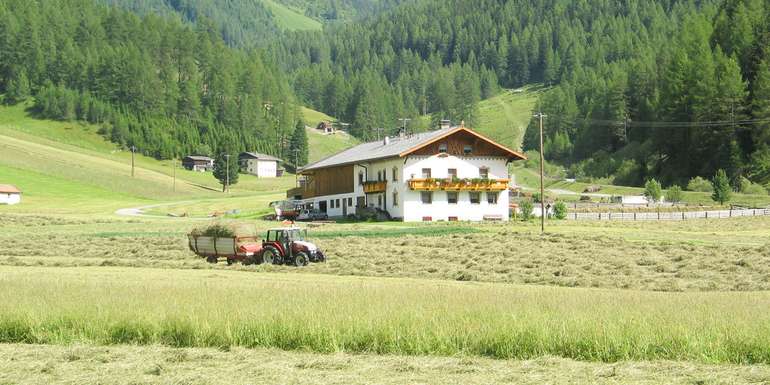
[267,168]
[464,210]
[408,205]
[10,198]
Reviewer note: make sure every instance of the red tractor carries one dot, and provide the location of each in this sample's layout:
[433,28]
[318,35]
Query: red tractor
[288,246]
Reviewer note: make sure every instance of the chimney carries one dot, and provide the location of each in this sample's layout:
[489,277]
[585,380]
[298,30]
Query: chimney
[386,141]
[445,123]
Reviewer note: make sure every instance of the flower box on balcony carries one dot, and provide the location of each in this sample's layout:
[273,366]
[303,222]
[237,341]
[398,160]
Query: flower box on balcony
[454,184]
[373,187]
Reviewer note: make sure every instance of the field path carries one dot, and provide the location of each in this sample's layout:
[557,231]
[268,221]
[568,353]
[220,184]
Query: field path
[139,211]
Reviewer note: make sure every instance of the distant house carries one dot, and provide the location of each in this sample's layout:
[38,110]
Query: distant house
[9,194]
[198,163]
[260,165]
[326,127]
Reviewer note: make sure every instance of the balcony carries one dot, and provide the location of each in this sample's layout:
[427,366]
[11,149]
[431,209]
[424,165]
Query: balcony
[475,184]
[374,187]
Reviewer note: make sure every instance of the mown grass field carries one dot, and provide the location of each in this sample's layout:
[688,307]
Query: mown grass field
[126,364]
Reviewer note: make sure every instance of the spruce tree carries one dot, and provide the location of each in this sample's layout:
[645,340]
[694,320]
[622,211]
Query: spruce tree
[226,169]
[18,87]
[722,189]
[298,147]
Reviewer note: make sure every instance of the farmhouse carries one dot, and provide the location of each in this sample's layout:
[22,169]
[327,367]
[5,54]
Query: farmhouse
[325,127]
[198,163]
[449,174]
[261,165]
[9,194]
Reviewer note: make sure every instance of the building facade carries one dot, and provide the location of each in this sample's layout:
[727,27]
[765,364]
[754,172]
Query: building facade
[198,163]
[9,194]
[452,174]
[259,165]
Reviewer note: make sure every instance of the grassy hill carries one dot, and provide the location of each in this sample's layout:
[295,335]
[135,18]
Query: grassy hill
[290,18]
[55,162]
[322,145]
[505,117]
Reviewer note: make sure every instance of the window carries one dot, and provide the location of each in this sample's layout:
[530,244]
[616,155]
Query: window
[475,198]
[350,202]
[395,198]
[379,200]
[360,177]
[491,198]
[427,219]
[452,173]
[451,197]
[331,203]
[484,172]
[426,197]
[442,148]
[467,149]
[338,203]
[426,173]
[452,219]
[395,174]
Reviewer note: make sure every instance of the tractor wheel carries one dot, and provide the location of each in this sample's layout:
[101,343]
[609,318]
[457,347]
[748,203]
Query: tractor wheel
[211,259]
[301,259]
[230,261]
[270,256]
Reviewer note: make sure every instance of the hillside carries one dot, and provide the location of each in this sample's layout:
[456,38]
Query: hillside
[290,18]
[68,166]
[321,145]
[505,117]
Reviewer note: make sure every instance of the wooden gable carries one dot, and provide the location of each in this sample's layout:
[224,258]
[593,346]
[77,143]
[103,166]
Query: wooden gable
[458,140]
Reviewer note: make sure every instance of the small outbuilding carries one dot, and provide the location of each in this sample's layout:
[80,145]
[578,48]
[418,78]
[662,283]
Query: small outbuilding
[9,194]
[260,165]
[198,163]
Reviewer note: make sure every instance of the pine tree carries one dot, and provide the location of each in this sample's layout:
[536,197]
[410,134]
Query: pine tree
[226,169]
[298,146]
[18,87]
[722,189]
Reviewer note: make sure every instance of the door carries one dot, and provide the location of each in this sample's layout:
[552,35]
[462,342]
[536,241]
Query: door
[322,206]
[344,207]
[360,202]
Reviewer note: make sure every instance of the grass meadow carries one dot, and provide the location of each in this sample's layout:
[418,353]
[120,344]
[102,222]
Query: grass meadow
[106,306]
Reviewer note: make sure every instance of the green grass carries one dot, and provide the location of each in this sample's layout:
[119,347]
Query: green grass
[505,117]
[290,18]
[320,145]
[325,314]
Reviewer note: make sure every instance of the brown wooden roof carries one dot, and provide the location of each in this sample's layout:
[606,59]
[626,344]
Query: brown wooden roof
[9,189]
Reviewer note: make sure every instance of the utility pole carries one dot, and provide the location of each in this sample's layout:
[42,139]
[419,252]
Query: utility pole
[173,185]
[403,124]
[133,150]
[296,167]
[540,116]
[227,173]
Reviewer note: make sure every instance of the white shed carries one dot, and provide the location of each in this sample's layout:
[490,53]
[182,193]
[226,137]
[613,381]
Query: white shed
[9,194]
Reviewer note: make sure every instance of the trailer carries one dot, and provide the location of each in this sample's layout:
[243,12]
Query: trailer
[233,249]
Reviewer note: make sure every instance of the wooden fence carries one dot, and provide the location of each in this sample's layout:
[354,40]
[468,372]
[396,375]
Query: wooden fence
[668,216]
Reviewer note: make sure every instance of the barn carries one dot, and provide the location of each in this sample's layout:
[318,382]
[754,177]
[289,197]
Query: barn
[9,194]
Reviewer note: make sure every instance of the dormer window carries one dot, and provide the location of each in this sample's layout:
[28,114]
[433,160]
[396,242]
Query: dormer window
[467,149]
[442,148]
[395,174]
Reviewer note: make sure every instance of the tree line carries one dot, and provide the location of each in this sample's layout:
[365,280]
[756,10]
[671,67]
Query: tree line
[167,87]
[694,100]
